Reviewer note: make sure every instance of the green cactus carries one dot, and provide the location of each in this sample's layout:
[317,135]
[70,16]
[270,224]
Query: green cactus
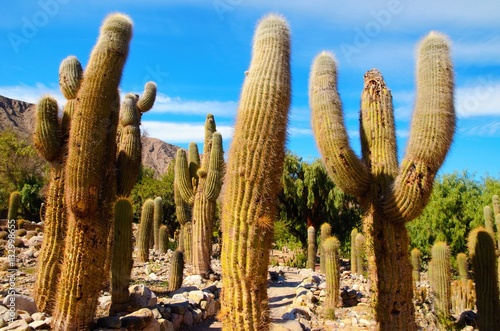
[390,195]
[488,221]
[354,259]
[51,141]
[14,204]
[157,221]
[326,232]
[176,271]
[145,230]
[440,280]
[163,239]
[331,249]
[496,205]
[415,263]
[311,248]
[360,253]
[483,260]
[253,178]
[199,185]
[121,260]
[463,267]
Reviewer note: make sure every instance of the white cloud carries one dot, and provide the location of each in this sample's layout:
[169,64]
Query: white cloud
[292,131]
[479,99]
[172,132]
[176,105]
[483,130]
[32,94]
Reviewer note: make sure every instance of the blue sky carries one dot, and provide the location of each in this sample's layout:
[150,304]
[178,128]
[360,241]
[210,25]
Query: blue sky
[198,51]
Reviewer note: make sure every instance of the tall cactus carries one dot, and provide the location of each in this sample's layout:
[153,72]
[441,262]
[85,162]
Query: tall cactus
[121,260]
[90,168]
[157,220]
[144,232]
[440,280]
[311,248]
[390,195]
[326,232]
[415,263]
[163,239]
[462,266]
[360,253]
[488,220]
[253,178]
[176,271]
[51,141]
[354,259]
[14,204]
[331,249]
[483,261]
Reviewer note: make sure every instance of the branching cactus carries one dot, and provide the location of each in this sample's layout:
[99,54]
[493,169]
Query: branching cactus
[163,239]
[157,221]
[145,230]
[176,271]
[253,177]
[90,179]
[390,195]
[51,141]
[415,263]
[354,259]
[326,232]
[14,204]
[331,249]
[121,260]
[311,248]
[441,280]
[360,253]
[483,260]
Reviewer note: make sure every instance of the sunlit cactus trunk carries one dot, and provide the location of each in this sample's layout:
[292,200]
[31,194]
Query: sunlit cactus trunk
[253,175]
[390,194]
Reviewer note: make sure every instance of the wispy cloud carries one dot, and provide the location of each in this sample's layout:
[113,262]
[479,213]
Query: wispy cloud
[479,99]
[490,129]
[173,132]
[32,94]
[176,105]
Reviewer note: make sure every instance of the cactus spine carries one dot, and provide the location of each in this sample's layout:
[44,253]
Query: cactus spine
[390,195]
[163,239]
[51,141]
[145,230]
[354,259]
[415,263]
[360,253]
[440,280]
[483,261]
[311,248]
[176,271]
[157,220]
[121,260]
[331,250]
[14,204]
[326,232]
[253,178]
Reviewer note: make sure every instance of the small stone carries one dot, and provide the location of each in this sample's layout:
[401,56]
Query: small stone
[153,326]
[138,319]
[212,308]
[197,315]
[166,325]
[179,298]
[40,316]
[19,325]
[153,276]
[156,313]
[288,316]
[197,296]
[188,318]
[25,315]
[177,320]
[104,302]
[289,325]
[22,302]
[178,307]
[141,296]
[39,325]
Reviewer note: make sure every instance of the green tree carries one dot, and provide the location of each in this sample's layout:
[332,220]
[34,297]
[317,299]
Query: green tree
[310,198]
[23,170]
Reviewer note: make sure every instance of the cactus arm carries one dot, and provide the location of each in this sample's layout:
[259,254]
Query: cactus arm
[210,129]
[148,97]
[215,172]
[342,164]
[432,129]
[193,159]
[47,136]
[182,177]
[70,76]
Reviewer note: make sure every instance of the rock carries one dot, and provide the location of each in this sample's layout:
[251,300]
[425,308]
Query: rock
[469,318]
[188,318]
[40,316]
[111,322]
[177,320]
[287,325]
[22,302]
[178,307]
[197,296]
[137,320]
[166,325]
[39,325]
[179,297]
[197,315]
[25,315]
[211,308]
[19,325]
[141,296]
[154,326]
[288,316]
[193,280]
[104,302]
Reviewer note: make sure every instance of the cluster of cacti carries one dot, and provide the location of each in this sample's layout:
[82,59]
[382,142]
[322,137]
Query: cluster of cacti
[145,230]
[176,270]
[390,194]
[483,260]
[157,221]
[360,253]
[253,177]
[354,259]
[311,248]
[199,184]
[326,232]
[91,162]
[463,295]
[121,256]
[163,239]
[14,204]
[330,247]
[415,263]
[440,280]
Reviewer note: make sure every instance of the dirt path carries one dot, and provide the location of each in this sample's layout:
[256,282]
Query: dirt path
[280,295]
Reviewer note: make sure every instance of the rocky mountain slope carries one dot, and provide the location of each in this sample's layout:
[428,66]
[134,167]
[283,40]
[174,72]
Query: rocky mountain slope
[19,116]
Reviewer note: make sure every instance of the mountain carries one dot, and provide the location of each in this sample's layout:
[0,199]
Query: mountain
[19,116]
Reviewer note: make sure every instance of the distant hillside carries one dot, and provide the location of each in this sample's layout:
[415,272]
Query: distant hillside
[20,117]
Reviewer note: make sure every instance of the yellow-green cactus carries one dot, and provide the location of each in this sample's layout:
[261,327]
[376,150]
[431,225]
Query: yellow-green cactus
[14,204]
[163,239]
[331,250]
[326,232]
[311,248]
[157,221]
[176,271]
[415,263]
[253,178]
[390,195]
[144,232]
[354,259]
[440,280]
